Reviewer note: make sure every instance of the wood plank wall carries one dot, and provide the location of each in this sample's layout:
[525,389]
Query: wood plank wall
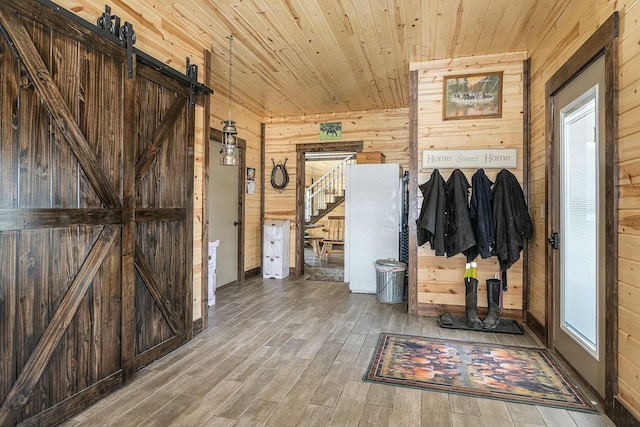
[386,131]
[555,44]
[440,279]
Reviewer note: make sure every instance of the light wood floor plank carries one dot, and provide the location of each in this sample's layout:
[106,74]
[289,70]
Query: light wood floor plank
[556,417]
[278,389]
[350,405]
[284,354]
[362,362]
[313,345]
[342,331]
[315,415]
[324,359]
[235,406]
[464,405]
[169,412]
[466,420]
[524,414]
[294,404]
[218,422]
[332,385]
[435,409]
[494,413]
[363,324]
[406,408]
[202,409]
[381,395]
[257,413]
[351,349]
[375,416]
[588,420]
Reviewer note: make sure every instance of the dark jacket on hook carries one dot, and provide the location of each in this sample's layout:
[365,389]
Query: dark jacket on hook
[481,216]
[511,221]
[459,234]
[430,223]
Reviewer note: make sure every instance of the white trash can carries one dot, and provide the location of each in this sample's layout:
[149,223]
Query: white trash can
[212,272]
[390,280]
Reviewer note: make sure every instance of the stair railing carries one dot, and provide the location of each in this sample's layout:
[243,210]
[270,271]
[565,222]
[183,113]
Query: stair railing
[324,191]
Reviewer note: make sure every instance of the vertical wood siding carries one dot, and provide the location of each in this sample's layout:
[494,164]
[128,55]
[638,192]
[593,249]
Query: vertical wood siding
[440,284]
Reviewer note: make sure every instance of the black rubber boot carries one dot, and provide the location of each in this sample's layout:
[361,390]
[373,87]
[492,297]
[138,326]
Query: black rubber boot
[493,302]
[471,302]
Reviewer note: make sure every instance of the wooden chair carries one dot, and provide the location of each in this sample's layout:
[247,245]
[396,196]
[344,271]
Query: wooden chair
[314,241]
[333,240]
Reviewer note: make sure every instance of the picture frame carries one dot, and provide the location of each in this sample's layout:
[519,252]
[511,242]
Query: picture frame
[472,96]
[330,131]
[251,180]
[251,174]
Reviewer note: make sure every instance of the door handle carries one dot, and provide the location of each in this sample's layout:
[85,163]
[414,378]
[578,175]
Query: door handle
[554,240]
[235,223]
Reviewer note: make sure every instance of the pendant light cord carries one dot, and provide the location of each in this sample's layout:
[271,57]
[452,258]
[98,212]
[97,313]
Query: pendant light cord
[230,71]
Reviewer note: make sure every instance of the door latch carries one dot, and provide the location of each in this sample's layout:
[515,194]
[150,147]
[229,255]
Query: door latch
[554,240]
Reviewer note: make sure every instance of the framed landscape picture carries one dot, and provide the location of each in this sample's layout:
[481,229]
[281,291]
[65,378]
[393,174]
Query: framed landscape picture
[472,96]
[330,131]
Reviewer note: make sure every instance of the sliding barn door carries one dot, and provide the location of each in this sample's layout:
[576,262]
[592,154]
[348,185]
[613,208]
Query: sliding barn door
[163,212]
[96,195]
[60,218]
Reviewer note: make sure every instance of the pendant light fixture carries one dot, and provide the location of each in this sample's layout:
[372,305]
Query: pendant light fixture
[229,133]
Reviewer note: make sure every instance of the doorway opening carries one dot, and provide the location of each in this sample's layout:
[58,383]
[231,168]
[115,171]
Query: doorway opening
[314,151]
[324,236]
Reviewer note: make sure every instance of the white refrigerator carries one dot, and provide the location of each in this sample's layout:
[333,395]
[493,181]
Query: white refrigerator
[373,216]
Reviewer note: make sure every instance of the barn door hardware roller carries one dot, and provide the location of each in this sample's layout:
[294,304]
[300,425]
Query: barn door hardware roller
[111,24]
[108,22]
[192,75]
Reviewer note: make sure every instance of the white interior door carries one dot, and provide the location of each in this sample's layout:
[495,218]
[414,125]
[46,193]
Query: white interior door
[223,215]
[579,221]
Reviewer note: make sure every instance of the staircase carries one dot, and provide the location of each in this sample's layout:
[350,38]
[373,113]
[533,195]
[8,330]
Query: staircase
[322,212]
[327,192]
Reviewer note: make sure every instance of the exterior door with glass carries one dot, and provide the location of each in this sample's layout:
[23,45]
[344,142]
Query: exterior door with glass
[578,223]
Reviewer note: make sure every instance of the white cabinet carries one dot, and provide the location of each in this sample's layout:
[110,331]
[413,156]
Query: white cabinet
[276,249]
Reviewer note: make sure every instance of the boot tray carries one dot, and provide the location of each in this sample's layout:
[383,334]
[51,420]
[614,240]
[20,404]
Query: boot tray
[505,326]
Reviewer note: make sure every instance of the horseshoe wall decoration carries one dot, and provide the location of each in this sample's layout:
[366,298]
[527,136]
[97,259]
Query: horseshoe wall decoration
[279,175]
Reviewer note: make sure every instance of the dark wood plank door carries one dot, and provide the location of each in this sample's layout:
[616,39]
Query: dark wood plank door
[96,195]
[163,212]
[60,217]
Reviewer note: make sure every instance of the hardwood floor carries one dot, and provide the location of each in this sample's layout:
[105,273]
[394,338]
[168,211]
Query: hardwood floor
[292,353]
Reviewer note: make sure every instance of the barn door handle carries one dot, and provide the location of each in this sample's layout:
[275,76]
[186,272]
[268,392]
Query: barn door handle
[554,240]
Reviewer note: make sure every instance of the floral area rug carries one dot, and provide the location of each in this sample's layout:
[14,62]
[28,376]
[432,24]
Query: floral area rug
[516,374]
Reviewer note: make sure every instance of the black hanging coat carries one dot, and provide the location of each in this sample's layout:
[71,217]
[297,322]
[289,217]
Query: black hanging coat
[430,223]
[481,216]
[459,234]
[511,221]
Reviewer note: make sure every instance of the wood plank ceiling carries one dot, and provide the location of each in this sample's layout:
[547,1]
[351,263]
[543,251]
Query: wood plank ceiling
[319,56]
